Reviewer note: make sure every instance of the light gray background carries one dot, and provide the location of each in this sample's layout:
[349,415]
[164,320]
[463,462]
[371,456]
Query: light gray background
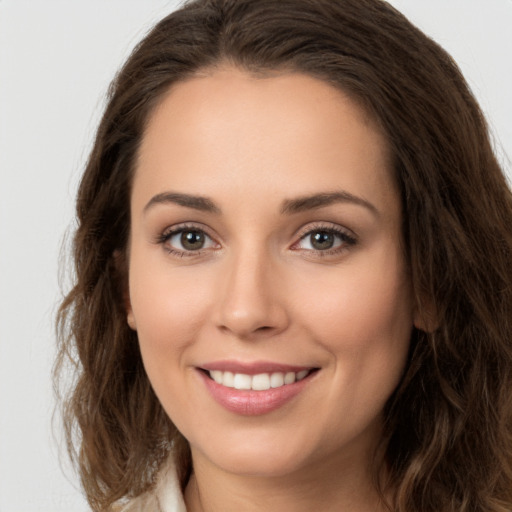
[56,60]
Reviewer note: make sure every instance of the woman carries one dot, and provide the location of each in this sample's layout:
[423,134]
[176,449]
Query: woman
[293,272]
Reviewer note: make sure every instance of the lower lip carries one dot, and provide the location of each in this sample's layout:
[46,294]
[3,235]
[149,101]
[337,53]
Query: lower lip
[253,403]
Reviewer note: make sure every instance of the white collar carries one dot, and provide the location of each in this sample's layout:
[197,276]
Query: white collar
[168,490]
[166,496]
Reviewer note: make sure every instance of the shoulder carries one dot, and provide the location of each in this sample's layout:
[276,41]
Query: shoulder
[144,503]
[166,496]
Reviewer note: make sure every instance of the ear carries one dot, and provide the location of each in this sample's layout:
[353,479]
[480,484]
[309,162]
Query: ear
[121,269]
[425,317]
[131,320]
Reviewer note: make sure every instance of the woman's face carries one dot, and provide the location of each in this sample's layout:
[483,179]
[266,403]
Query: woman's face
[267,281]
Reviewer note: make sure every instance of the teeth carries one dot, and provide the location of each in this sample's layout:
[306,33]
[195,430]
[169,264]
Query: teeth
[289,378]
[242,381]
[259,382]
[228,379]
[276,380]
[216,375]
[302,374]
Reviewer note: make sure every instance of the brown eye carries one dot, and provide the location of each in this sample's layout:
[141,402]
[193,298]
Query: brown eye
[322,240]
[192,240]
[325,240]
[187,241]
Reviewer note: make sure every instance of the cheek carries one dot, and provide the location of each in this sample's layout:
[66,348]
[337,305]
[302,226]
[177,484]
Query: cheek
[169,305]
[364,322]
[363,317]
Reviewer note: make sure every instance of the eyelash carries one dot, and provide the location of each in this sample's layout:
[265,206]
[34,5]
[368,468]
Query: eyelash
[345,236]
[164,238]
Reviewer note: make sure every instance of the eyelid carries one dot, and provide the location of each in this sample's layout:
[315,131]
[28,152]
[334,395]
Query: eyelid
[347,236]
[184,226]
[325,226]
[170,231]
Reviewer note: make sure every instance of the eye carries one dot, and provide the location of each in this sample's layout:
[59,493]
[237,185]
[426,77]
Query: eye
[182,241]
[325,240]
[189,240]
[320,240]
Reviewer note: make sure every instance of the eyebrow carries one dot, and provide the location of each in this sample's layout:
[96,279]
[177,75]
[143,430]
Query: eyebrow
[315,201]
[189,201]
[289,206]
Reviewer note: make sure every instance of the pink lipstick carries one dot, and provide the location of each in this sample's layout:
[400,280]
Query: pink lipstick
[254,388]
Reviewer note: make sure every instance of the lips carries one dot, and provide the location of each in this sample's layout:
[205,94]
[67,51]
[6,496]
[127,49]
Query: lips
[255,388]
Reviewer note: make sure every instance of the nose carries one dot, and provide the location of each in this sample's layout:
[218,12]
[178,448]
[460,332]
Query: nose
[252,302]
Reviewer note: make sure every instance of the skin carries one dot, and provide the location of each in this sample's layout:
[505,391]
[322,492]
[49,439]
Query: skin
[258,290]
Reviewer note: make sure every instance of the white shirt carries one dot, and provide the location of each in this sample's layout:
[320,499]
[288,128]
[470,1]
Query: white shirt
[166,496]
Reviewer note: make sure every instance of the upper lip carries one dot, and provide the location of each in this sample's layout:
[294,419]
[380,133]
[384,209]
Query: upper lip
[253,368]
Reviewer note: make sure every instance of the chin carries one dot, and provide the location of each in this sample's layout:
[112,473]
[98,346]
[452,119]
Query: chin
[263,457]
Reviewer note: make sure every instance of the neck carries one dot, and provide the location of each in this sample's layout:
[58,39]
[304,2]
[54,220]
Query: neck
[328,486]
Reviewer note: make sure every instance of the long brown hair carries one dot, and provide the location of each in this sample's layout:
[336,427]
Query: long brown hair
[448,428]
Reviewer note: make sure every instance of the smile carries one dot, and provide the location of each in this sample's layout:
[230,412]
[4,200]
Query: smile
[257,388]
[259,382]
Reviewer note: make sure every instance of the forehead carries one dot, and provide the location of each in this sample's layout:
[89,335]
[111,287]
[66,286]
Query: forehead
[285,132]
